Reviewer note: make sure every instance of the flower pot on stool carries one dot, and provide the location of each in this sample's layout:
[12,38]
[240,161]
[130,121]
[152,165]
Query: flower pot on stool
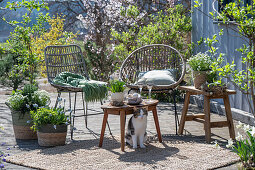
[200,78]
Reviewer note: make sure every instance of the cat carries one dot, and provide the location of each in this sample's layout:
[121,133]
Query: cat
[136,132]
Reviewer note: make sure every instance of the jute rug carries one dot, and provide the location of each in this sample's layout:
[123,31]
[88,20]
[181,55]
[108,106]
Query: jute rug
[171,154]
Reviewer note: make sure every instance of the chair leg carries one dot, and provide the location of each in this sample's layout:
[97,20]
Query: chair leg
[85,110]
[74,107]
[175,112]
[59,94]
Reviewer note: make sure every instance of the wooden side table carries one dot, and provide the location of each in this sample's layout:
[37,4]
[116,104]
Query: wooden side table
[126,110]
[205,118]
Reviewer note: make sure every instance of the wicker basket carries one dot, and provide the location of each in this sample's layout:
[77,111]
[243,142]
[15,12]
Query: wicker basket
[49,136]
[22,129]
[200,78]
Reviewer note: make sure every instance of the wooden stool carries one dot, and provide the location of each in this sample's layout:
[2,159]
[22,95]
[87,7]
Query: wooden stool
[205,118]
[126,110]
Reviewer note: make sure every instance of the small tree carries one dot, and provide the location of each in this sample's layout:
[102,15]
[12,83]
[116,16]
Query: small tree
[25,62]
[242,16]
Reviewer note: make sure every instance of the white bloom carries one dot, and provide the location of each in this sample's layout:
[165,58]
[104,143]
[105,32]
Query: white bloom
[240,125]
[239,137]
[55,126]
[246,128]
[230,143]
[216,144]
[253,131]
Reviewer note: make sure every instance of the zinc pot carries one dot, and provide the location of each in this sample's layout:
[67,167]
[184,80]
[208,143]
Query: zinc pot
[22,125]
[50,135]
[117,97]
[200,78]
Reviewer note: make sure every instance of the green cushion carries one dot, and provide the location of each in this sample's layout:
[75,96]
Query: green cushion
[157,77]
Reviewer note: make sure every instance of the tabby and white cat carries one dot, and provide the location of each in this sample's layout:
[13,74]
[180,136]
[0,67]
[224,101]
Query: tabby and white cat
[136,133]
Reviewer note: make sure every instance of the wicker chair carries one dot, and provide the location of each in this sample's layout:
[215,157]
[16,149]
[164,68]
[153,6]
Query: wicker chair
[67,58]
[154,57]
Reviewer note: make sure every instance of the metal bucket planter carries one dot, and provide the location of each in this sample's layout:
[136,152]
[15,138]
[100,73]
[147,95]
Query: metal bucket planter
[21,127]
[50,136]
[200,78]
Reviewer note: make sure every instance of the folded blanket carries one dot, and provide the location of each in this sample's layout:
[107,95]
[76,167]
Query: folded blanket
[94,90]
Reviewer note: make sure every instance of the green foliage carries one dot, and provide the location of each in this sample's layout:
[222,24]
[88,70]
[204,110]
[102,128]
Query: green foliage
[200,62]
[117,86]
[101,63]
[47,115]
[19,45]
[245,145]
[30,98]
[169,27]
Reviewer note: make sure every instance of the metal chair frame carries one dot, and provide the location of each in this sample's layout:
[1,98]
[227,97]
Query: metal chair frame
[154,57]
[69,58]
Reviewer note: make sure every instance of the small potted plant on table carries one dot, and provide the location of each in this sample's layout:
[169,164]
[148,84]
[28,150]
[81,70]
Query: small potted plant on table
[201,66]
[21,103]
[51,125]
[117,88]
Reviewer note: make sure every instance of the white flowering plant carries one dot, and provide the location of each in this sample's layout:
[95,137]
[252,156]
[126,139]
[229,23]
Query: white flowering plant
[200,62]
[245,145]
[46,115]
[30,98]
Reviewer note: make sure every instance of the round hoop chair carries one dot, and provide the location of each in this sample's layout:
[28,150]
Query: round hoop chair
[154,57]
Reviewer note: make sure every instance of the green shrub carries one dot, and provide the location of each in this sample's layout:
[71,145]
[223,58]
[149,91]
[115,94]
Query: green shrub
[47,115]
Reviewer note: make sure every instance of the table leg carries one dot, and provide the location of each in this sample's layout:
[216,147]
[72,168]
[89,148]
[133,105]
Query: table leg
[155,115]
[184,113]
[207,123]
[103,128]
[229,117]
[122,129]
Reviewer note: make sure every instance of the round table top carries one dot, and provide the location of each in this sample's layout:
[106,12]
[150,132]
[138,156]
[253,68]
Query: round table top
[127,107]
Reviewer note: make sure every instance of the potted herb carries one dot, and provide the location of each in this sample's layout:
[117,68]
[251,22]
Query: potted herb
[21,103]
[201,66]
[117,88]
[51,125]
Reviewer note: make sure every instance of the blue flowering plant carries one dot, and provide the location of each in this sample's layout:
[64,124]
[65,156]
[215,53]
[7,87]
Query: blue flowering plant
[47,115]
[30,98]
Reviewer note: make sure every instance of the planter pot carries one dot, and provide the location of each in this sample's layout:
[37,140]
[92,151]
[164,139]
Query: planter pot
[200,78]
[49,136]
[21,127]
[117,99]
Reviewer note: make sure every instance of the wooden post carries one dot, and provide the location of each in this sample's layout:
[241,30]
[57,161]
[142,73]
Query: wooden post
[229,117]
[207,123]
[103,128]
[122,129]
[155,116]
[184,113]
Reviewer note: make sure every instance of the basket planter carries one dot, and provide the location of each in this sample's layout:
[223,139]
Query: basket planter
[200,78]
[49,136]
[22,129]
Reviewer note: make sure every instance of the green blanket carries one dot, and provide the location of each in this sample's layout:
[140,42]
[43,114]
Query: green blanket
[94,90]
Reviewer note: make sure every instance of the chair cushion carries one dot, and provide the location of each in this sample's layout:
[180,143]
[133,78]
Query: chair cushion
[157,77]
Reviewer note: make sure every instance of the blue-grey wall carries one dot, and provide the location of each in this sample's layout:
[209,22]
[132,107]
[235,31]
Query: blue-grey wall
[203,26]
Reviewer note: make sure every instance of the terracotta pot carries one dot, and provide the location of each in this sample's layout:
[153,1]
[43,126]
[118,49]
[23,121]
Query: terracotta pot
[200,78]
[50,136]
[117,97]
[22,129]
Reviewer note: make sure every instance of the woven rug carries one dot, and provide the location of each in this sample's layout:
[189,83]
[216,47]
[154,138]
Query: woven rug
[171,154]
